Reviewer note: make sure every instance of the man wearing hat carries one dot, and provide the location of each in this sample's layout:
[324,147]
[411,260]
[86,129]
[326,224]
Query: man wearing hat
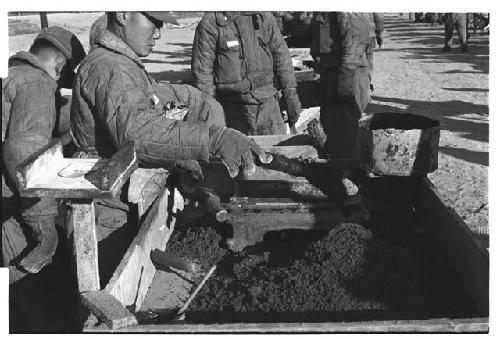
[29,115]
[115,100]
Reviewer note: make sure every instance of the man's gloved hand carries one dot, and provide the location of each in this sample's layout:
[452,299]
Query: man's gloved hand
[193,167]
[346,82]
[292,104]
[379,40]
[235,150]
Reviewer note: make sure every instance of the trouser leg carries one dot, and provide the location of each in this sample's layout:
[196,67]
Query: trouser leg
[269,118]
[240,116]
[461,27]
[340,117]
[255,119]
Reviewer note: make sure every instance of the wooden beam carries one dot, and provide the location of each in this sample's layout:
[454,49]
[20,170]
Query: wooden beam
[85,242]
[464,251]
[282,140]
[39,163]
[41,174]
[108,309]
[132,278]
[475,325]
[145,186]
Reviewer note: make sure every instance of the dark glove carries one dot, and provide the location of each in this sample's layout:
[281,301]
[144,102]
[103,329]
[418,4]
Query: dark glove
[292,104]
[235,150]
[193,167]
[379,40]
[346,88]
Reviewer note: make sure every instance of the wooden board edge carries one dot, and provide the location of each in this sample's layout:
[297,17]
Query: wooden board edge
[108,309]
[139,249]
[52,149]
[465,252]
[473,325]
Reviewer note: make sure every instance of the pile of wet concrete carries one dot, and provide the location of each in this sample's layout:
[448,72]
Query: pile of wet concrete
[378,271]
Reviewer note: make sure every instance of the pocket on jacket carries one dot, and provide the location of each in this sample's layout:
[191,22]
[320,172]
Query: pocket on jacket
[228,62]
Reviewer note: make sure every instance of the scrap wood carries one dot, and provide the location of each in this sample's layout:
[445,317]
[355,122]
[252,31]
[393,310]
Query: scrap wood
[108,309]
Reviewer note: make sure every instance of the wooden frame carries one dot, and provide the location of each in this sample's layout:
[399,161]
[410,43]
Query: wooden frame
[465,253]
[33,174]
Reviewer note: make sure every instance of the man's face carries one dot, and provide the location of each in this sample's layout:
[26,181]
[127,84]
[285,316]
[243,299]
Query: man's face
[141,32]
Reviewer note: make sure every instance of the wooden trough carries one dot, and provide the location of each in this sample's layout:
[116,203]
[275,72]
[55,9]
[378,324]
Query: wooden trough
[116,304]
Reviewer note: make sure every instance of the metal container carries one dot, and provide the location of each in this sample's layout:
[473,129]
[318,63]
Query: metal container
[396,144]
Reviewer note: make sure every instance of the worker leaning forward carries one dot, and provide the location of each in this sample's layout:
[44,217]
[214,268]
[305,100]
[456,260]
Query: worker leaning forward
[29,121]
[340,43]
[237,56]
[115,100]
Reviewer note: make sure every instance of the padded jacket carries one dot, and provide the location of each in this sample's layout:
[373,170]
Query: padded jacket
[28,109]
[116,100]
[237,57]
[340,39]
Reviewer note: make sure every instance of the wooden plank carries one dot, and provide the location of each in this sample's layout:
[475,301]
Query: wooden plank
[282,140]
[108,309]
[107,177]
[303,53]
[133,276]
[47,174]
[465,252]
[85,242]
[145,186]
[475,325]
[39,163]
[300,151]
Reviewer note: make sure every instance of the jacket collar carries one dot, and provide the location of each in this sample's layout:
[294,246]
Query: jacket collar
[114,43]
[223,17]
[27,58]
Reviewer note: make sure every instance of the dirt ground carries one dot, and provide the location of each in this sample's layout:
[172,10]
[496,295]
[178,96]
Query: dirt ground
[411,75]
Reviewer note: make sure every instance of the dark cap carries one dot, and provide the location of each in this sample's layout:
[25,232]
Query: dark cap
[165,17]
[65,41]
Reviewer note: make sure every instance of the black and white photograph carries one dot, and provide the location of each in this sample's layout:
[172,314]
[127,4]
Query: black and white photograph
[246,171]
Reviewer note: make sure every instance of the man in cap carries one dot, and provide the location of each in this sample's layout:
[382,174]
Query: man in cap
[115,100]
[241,59]
[29,119]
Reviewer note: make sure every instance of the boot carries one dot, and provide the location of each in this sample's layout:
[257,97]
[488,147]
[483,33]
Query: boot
[446,49]
[464,48]
[44,233]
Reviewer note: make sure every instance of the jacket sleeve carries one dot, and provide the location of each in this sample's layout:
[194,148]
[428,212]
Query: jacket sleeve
[128,114]
[202,107]
[33,111]
[354,32]
[31,121]
[282,60]
[203,56]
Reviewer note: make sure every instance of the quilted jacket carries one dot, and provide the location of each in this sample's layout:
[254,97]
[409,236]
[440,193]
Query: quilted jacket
[340,38]
[116,100]
[237,57]
[28,109]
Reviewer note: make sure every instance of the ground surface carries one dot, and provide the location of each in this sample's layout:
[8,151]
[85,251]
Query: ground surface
[411,75]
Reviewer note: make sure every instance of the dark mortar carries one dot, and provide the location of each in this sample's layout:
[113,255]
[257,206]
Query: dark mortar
[379,271]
